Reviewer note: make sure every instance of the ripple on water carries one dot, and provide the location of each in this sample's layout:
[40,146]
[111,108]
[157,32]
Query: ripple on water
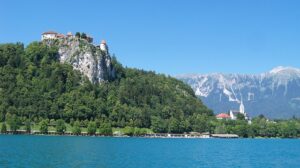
[63,152]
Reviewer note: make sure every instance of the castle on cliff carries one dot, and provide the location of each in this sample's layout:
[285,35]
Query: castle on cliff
[52,35]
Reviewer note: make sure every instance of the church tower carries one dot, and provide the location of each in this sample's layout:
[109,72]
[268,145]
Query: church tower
[242,107]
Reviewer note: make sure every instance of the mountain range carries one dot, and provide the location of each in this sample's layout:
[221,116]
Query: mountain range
[275,94]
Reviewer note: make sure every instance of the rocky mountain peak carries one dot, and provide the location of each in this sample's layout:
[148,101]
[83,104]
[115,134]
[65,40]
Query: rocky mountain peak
[282,69]
[275,94]
[285,73]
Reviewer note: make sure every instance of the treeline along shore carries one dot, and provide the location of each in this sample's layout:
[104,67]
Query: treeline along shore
[38,93]
[260,127]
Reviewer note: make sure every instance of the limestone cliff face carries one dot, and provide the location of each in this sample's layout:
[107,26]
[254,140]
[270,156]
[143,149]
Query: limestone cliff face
[89,59]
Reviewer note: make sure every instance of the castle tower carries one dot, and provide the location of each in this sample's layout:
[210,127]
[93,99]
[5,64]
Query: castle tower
[103,46]
[69,34]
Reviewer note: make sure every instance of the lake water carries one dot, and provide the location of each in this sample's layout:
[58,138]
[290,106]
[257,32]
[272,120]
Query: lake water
[65,152]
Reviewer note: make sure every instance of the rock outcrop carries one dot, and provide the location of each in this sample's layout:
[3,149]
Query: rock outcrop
[89,59]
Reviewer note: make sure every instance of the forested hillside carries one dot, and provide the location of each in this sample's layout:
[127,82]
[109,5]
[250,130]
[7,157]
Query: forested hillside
[35,86]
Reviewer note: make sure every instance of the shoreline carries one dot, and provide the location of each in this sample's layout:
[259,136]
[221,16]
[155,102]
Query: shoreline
[149,135]
[126,136]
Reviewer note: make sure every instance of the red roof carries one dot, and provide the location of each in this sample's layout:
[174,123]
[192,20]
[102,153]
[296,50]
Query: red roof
[60,35]
[50,32]
[223,115]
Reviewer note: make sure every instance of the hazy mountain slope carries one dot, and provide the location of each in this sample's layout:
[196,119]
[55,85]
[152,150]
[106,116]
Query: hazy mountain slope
[276,93]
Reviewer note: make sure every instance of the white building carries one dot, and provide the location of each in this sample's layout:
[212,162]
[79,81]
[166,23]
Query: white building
[50,35]
[103,46]
[69,34]
[233,114]
[242,108]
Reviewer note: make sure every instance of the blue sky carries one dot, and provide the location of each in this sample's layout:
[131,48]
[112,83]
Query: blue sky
[170,36]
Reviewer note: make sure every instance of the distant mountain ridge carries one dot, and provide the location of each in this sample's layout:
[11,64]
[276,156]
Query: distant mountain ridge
[275,94]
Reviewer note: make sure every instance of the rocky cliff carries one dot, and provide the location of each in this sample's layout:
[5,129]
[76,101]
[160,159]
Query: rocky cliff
[89,59]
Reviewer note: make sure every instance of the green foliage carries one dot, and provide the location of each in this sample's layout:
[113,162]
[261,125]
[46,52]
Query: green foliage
[83,35]
[144,99]
[60,126]
[220,129]
[260,127]
[11,55]
[92,128]
[140,131]
[129,131]
[28,126]
[134,131]
[3,128]
[44,126]
[158,125]
[241,129]
[76,128]
[174,125]
[36,86]
[40,54]
[77,35]
[14,123]
[200,123]
[240,116]
[288,129]
[105,129]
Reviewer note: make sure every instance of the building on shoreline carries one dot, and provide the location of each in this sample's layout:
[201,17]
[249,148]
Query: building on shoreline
[233,114]
[222,116]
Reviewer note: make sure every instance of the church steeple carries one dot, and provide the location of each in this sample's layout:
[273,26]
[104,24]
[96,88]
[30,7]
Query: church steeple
[242,107]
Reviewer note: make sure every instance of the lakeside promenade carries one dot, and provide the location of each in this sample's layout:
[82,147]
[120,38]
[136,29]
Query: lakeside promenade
[151,135]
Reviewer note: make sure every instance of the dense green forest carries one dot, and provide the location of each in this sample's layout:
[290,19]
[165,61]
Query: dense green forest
[259,127]
[38,91]
[35,86]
